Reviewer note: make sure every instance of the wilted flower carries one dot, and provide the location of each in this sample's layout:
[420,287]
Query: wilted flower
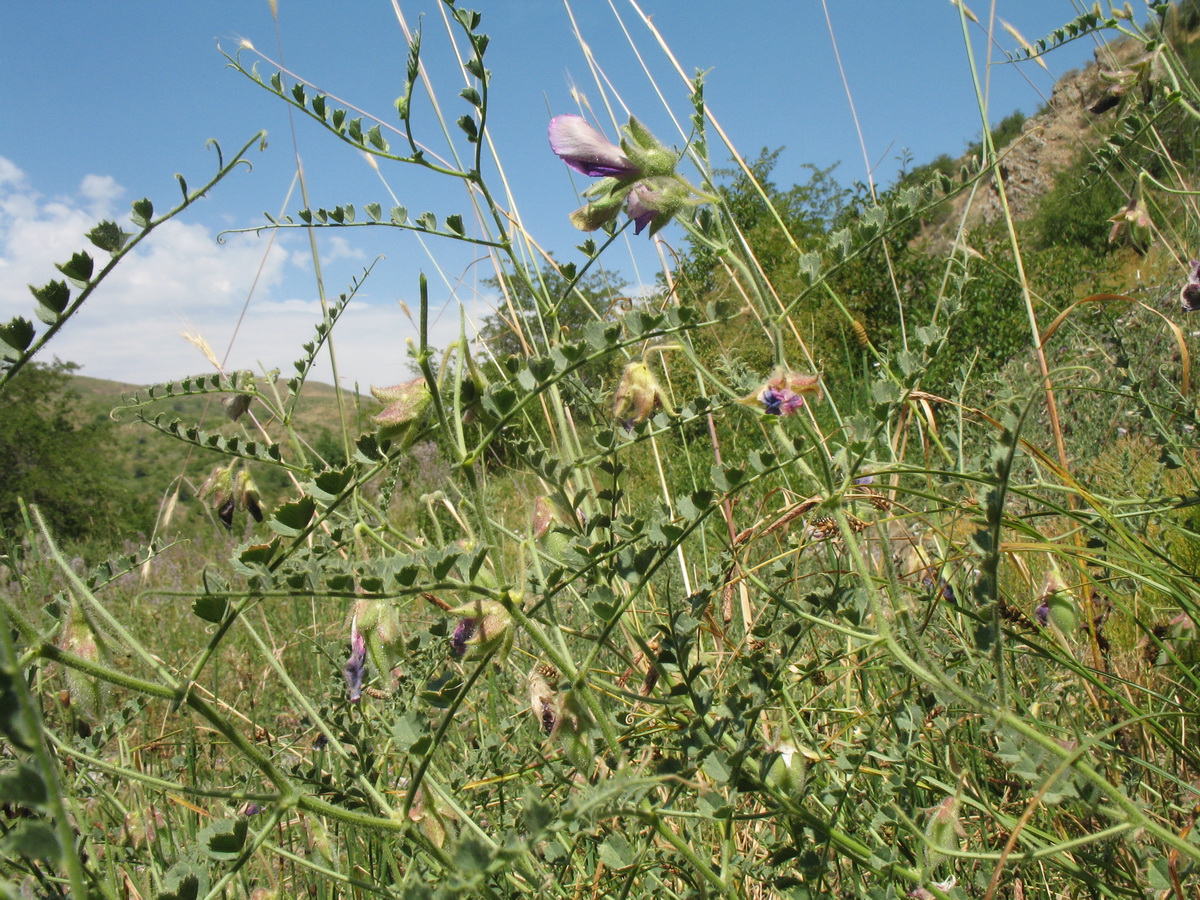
[639,175]
[655,202]
[545,514]
[943,830]
[548,512]
[429,818]
[783,393]
[230,493]
[463,632]
[1134,216]
[1057,606]
[236,405]
[543,696]
[141,826]
[403,405]
[1043,612]
[356,665]
[220,485]
[246,494]
[638,395]
[81,639]
[920,893]
[1189,295]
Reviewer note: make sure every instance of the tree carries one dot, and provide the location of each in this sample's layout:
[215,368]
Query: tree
[590,299]
[806,210]
[53,457]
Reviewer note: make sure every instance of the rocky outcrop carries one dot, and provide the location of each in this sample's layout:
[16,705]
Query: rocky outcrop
[1048,143]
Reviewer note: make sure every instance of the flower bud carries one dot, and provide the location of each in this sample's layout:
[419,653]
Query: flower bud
[644,149]
[783,767]
[595,216]
[485,626]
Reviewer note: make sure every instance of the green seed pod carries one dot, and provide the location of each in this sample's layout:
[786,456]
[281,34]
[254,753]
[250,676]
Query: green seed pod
[79,638]
[942,831]
[783,767]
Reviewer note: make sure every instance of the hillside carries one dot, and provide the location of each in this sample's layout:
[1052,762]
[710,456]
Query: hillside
[152,463]
[1048,143]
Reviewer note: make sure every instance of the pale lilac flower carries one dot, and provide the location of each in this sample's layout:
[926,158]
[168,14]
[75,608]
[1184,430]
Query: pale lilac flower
[586,150]
[780,401]
[356,665]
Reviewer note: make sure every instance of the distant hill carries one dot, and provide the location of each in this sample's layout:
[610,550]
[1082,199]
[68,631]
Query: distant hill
[151,463]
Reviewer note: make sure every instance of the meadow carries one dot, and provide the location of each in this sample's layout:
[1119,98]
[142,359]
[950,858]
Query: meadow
[855,559]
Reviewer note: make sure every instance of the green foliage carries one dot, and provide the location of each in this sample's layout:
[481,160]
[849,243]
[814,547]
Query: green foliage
[637,605]
[523,319]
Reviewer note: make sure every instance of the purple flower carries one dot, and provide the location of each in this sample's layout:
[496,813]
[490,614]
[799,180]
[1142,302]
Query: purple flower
[586,150]
[639,175]
[1043,612]
[642,206]
[783,393]
[357,663]
[464,631]
[655,201]
[780,401]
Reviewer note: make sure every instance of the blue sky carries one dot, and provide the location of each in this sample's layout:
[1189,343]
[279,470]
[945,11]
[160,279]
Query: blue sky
[109,100]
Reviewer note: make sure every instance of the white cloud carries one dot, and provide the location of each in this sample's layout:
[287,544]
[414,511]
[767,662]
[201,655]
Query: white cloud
[9,173]
[102,190]
[180,279]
